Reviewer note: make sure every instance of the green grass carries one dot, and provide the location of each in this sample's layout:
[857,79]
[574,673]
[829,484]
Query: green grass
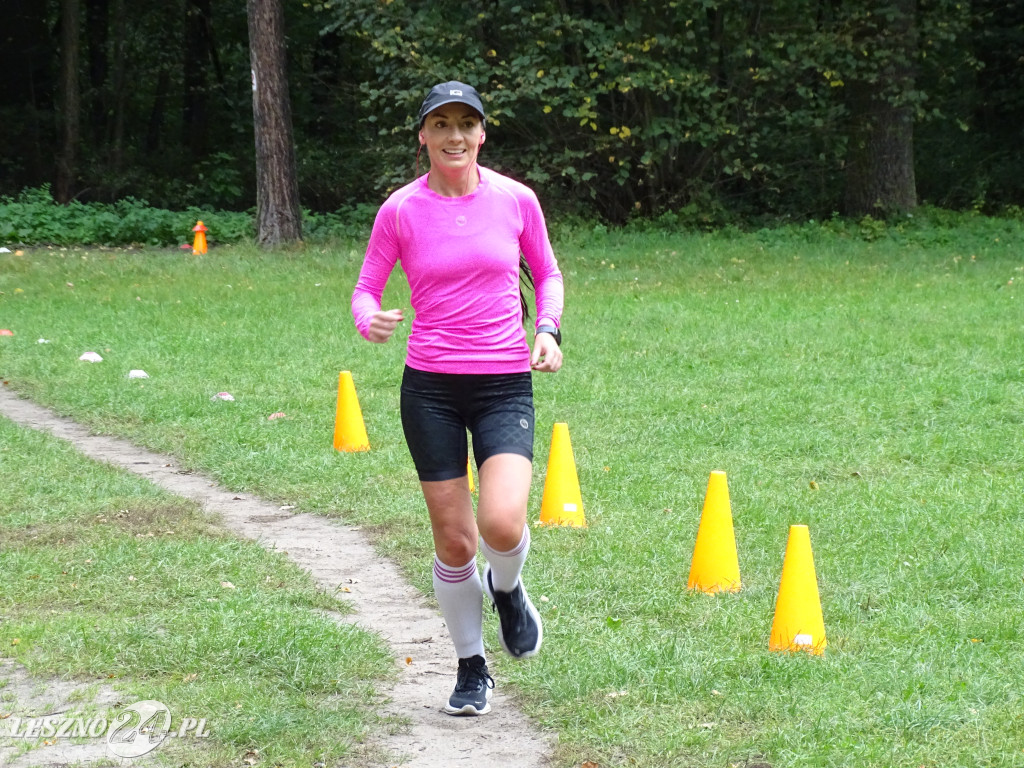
[886,369]
[108,579]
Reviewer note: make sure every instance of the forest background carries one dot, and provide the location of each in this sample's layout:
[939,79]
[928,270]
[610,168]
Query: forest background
[700,112]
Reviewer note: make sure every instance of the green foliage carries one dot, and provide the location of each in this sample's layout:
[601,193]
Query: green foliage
[33,218]
[645,108]
[708,110]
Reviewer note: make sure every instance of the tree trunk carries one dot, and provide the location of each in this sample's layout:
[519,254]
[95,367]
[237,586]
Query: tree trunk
[880,164]
[278,216]
[119,90]
[69,106]
[97,22]
[197,54]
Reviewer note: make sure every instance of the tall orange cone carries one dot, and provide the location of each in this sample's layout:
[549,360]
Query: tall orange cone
[199,244]
[798,623]
[562,503]
[349,429]
[715,566]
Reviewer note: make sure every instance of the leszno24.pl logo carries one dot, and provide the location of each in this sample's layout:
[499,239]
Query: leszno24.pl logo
[132,732]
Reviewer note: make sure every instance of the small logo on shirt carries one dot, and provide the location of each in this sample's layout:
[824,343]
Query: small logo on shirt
[461,221]
[455,92]
[524,424]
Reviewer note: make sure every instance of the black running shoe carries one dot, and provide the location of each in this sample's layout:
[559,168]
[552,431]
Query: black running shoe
[472,694]
[521,631]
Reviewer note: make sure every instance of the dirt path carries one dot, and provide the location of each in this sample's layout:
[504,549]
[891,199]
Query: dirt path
[384,603]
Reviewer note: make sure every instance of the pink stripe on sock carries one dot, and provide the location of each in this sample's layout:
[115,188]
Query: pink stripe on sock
[451,575]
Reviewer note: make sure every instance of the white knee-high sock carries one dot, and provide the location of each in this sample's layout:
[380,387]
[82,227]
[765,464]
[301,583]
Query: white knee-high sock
[506,567]
[459,592]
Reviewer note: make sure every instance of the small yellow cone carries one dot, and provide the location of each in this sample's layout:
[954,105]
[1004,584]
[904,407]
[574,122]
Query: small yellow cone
[798,623]
[715,566]
[469,474]
[562,503]
[349,429]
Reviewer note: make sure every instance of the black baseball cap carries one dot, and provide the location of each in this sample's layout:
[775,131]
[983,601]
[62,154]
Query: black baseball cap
[452,92]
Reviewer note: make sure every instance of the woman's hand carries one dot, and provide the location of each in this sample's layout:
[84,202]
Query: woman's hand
[383,324]
[547,355]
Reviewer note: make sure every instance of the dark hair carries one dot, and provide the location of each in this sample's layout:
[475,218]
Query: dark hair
[525,283]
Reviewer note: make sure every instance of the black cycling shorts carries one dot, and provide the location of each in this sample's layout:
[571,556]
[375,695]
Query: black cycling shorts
[438,408]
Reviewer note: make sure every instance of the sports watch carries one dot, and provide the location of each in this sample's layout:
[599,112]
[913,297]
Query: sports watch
[556,332]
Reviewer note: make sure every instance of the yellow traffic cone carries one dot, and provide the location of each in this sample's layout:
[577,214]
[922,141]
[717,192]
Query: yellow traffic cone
[469,474]
[349,429]
[199,243]
[562,503]
[798,623]
[715,566]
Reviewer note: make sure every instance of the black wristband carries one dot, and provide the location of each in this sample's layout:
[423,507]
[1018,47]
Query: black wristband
[556,332]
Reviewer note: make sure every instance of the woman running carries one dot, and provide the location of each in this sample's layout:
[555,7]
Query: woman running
[461,232]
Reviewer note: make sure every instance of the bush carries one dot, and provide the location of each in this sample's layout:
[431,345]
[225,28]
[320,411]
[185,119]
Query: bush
[33,218]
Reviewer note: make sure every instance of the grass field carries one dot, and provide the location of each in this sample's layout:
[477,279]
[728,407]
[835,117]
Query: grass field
[107,579]
[870,389]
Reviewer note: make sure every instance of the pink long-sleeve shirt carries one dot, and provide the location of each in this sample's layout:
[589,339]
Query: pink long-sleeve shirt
[461,257]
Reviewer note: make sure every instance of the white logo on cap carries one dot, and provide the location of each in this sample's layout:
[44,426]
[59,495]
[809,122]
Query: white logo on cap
[455,92]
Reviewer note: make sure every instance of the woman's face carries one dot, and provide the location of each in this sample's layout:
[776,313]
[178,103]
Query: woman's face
[452,134]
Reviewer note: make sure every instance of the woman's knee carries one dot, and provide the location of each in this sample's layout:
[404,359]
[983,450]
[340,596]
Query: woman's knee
[503,532]
[455,548]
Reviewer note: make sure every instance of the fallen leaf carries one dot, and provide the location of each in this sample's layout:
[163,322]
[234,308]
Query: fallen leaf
[16,641]
[227,585]
[814,485]
[408,659]
[614,622]
[278,415]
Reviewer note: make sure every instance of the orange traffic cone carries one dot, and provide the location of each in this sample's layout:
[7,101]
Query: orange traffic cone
[562,503]
[798,624]
[199,244]
[349,429]
[715,566]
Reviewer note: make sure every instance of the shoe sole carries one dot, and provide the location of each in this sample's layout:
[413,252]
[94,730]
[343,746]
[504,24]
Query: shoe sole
[468,710]
[529,607]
